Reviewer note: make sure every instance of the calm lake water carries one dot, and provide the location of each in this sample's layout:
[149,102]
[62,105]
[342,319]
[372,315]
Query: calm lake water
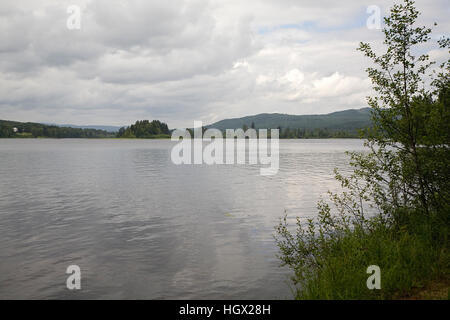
[141,227]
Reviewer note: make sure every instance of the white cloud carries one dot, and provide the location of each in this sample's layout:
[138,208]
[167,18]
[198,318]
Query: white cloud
[182,60]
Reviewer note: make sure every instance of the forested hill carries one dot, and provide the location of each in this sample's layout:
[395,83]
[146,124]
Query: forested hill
[145,129]
[341,123]
[141,129]
[14,129]
[114,129]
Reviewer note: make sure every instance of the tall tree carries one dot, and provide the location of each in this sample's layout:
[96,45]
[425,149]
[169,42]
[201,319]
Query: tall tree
[403,179]
[405,112]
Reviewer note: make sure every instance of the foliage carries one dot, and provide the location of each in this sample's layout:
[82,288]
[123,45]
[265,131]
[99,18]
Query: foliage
[35,130]
[145,129]
[330,256]
[317,133]
[394,210]
[304,126]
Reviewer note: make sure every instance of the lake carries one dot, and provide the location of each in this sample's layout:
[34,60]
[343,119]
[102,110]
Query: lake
[141,227]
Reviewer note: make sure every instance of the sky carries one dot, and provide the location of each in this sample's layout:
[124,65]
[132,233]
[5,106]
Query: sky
[183,60]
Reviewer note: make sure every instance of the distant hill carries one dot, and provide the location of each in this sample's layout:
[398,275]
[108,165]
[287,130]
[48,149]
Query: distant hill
[141,129]
[96,127]
[341,124]
[15,129]
[348,120]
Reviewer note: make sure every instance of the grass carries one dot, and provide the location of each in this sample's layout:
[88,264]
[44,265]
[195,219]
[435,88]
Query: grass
[20,135]
[435,290]
[156,136]
[413,259]
[29,135]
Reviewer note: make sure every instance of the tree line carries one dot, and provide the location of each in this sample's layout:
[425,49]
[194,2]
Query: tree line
[145,129]
[13,129]
[394,211]
[303,133]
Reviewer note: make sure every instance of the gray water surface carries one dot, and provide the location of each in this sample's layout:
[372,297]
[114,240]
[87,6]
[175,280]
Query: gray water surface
[141,227]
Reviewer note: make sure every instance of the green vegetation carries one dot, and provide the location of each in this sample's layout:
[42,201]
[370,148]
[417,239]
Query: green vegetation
[98,127]
[14,129]
[317,133]
[395,207]
[341,124]
[145,129]
[141,129]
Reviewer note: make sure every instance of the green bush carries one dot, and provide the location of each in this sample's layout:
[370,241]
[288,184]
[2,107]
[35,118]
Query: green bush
[330,257]
[394,211]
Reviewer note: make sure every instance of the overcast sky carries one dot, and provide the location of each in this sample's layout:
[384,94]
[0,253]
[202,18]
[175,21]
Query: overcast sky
[184,60]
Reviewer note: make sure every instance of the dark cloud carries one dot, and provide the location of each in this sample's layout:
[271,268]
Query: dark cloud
[182,60]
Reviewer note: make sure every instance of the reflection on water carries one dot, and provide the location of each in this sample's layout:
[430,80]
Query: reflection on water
[142,227]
